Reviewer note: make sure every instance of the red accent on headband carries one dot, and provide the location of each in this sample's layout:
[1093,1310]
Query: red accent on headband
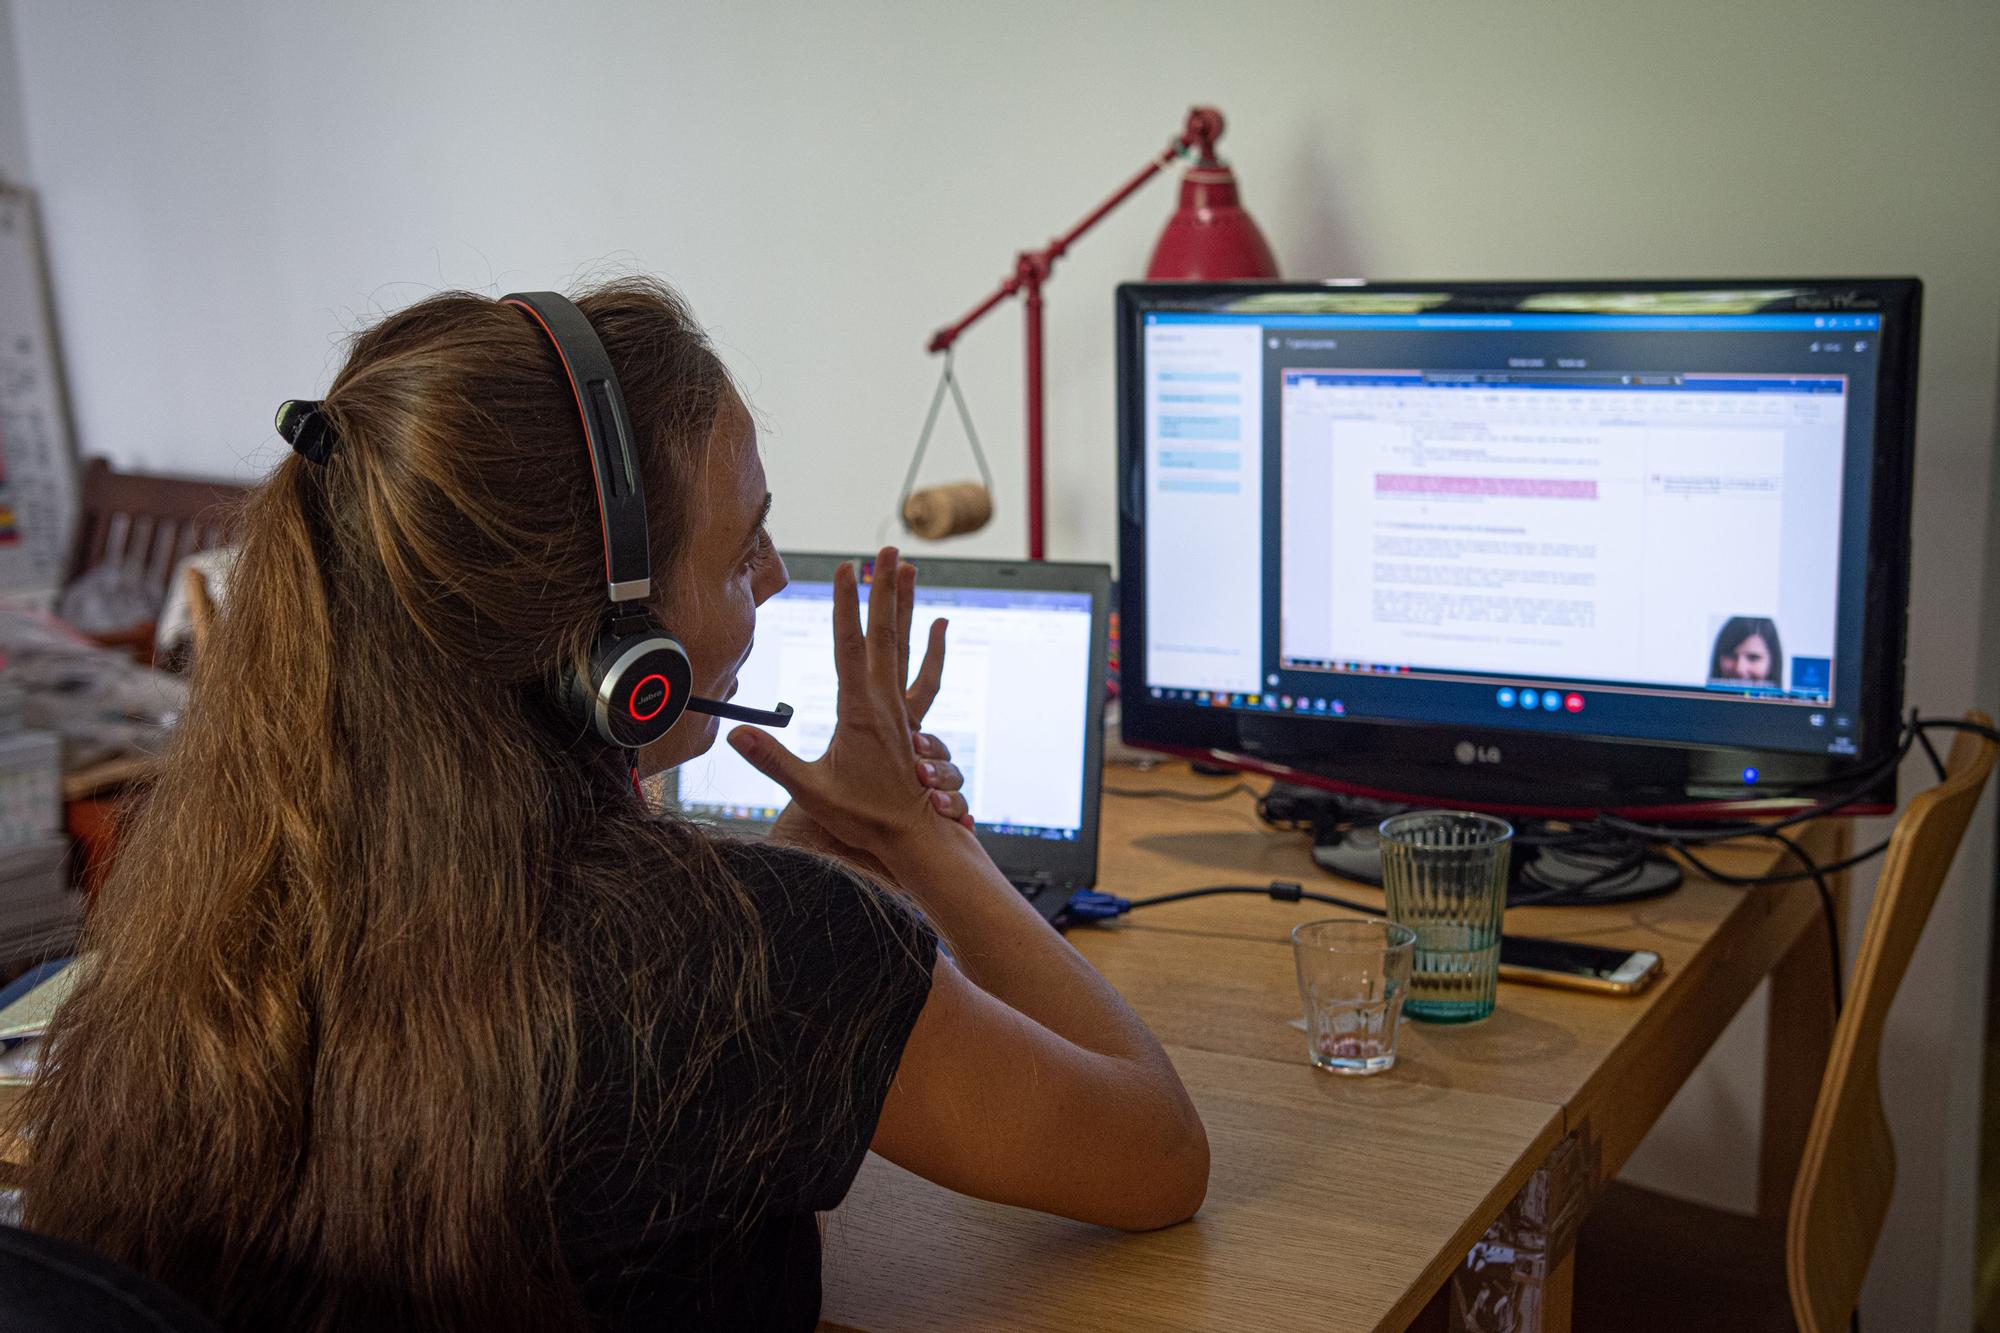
[583,419]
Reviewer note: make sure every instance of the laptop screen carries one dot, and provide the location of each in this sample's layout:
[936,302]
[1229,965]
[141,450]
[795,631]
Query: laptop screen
[1015,707]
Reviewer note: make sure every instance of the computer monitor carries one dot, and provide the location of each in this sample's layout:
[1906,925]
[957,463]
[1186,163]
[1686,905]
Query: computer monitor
[1547,546]
[1022,705]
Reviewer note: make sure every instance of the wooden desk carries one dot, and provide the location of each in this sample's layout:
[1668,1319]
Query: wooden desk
[1344,1203]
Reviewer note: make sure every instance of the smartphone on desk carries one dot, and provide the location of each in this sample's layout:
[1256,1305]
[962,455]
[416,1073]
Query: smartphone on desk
[1582,966]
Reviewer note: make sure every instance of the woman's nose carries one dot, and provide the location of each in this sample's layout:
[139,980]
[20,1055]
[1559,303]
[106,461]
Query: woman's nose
[775,581]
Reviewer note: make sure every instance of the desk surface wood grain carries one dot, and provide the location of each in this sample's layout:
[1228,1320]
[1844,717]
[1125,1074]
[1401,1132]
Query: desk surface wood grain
[1333,1203]
[1216,973]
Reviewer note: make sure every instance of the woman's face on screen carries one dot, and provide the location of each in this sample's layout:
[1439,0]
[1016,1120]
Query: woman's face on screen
[1751,660]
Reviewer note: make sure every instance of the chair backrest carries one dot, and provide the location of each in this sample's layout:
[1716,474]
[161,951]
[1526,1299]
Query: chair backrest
[150,523]
[1849,1168]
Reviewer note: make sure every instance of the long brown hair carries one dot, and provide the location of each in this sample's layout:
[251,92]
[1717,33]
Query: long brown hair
[324,1062]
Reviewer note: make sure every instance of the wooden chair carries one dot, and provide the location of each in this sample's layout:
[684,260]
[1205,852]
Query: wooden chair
[1646,1261]
[152,524]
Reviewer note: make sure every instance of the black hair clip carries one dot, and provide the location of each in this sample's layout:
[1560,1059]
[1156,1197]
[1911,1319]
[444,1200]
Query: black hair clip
[304,425]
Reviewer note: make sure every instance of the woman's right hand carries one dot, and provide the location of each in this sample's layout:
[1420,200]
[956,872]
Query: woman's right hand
[865,790]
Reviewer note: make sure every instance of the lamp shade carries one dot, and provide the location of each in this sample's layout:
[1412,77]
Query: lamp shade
[1210,238]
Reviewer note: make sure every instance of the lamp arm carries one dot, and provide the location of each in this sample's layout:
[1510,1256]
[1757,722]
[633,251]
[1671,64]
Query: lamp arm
[1032,267]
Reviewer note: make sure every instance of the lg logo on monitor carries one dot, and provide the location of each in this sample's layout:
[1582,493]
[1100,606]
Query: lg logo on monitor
[1468,753]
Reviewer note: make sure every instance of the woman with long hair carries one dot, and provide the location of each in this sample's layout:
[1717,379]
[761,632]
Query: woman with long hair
[1747,652]
[403,1008]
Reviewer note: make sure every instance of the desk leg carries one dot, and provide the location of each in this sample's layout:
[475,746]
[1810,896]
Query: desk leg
[1796,1040]
[1436,1317]
[1559,1293]
[1798,1035]
[1519,1277]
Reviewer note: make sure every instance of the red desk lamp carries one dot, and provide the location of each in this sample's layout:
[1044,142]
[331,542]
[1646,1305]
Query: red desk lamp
[1209,238]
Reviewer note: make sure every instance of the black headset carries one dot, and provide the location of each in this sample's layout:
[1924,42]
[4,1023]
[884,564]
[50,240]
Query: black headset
[638,682]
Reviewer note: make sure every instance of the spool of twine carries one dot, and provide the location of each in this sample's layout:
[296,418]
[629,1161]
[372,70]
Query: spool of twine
[936,512]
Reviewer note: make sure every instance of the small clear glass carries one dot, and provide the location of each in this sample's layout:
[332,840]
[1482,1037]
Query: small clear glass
[1445,874]
[1353,974]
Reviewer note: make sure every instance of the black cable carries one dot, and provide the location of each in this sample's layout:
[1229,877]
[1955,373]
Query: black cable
[1284,891]
[1622,831]
[1682,841]
[1937,764]
[1813,871]
[1170,794]
[1958,724]
[1618,882]
[1725,832]
[1826,906]
[1612,865]
[1624,843]
[1575,839]
[1627,858]
[1915,727]
[1866,777]
[1760,881]
[1601,890]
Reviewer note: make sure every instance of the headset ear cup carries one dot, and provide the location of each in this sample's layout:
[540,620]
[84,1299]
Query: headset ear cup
[639,688]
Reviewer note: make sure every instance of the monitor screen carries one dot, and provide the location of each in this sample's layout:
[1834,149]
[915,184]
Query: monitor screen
[1024,766]
[1643,515]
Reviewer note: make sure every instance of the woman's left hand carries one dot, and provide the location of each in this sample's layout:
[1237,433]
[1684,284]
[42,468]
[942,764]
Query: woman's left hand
[934,768]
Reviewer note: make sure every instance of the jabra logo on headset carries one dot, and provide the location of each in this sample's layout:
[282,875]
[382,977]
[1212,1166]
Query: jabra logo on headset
[1468,753]
[649,697]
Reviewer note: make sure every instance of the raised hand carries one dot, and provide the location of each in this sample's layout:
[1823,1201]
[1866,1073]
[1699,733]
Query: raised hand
[880,779]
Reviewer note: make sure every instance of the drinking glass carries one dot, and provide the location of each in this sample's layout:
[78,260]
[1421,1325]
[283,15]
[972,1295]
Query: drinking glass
[1353,974]
[1445,873]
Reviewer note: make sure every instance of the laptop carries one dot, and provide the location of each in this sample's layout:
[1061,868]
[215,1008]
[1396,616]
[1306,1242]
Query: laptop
[1022,707]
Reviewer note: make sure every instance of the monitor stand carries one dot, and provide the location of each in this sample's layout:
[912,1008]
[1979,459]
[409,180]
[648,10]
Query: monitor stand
[1588,879]
[1345,844]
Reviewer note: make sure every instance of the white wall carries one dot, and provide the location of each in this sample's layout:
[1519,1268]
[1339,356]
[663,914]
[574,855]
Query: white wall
[13,138]
[229,186]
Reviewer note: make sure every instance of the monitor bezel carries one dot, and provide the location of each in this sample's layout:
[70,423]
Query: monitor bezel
[1423,761]
[1066,863]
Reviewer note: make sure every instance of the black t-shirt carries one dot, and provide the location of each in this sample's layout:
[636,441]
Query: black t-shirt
[711,1222]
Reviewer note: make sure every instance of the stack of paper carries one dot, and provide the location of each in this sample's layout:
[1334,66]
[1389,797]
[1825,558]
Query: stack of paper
[27,1008]
[39,912]
[30,789]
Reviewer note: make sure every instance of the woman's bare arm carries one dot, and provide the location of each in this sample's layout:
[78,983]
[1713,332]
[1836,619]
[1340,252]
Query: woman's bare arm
[1021,1047]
